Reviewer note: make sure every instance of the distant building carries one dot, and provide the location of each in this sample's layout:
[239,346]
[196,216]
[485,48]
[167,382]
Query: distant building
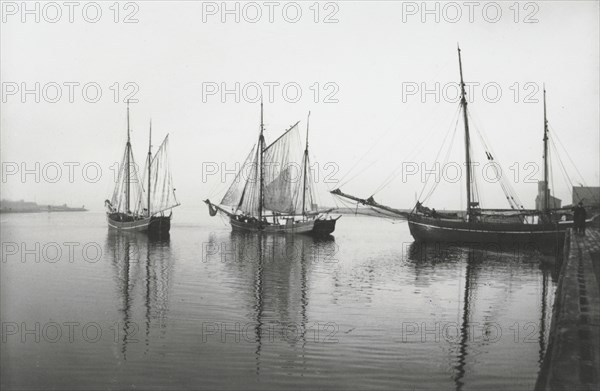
[553,202]
[590,196]
[20,206]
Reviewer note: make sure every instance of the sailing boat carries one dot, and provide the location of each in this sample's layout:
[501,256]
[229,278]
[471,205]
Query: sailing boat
[429,226]
[266,196]
[150,204]
[480,225]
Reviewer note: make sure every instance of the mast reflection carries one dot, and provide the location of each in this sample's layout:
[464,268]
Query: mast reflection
[279,266]
[424,256]
[142,268]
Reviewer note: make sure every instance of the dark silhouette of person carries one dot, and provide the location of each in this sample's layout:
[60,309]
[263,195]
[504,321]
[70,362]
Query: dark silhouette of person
[579,217]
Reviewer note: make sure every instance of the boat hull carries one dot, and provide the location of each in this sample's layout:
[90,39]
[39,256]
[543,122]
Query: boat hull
[324,227]
[431,229]
[152,225]
[299,227]
[138,225]
[159,225]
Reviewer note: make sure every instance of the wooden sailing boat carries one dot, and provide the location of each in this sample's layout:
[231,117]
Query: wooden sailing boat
[427,226]
[148,213]
[269,198]
[480,225]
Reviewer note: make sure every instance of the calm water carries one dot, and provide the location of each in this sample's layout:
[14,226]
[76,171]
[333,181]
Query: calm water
[84,308]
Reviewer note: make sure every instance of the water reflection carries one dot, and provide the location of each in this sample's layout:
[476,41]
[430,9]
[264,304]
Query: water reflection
[277,270]
[154,299]
[479,264]
[142,269]
[543,315]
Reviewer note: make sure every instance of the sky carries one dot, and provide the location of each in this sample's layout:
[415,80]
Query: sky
[360,67]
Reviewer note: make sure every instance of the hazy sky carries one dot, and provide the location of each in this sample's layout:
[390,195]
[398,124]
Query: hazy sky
[363,122]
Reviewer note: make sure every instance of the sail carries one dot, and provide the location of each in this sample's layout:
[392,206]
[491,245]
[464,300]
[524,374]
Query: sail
[162,191]
[283,172]
[278,193]
[233,196]
[119,197]
[250,195]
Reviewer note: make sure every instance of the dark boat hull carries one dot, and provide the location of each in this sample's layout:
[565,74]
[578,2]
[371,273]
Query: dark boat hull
[324,227]
[159,225]
[431,229]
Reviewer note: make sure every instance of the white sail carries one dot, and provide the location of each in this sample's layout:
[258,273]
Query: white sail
[278,193]
[283,173]
[249,198]
[282,179]
[119,198]
[162,191]
[236,190]
[276,177]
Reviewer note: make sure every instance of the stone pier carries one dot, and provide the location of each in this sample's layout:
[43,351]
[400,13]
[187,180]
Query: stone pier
[572,360]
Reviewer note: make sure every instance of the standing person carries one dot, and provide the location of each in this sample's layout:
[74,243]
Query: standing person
[579,218]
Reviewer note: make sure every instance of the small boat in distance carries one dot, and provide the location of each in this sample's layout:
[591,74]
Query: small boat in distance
[150,204]
[269,195]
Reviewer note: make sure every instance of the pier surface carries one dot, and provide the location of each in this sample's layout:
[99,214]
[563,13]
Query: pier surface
[572,360]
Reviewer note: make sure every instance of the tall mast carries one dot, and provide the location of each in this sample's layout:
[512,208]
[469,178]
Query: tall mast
[305,164]
[128,152]
[546,190]
[463,101]
[261,141]
[149,164]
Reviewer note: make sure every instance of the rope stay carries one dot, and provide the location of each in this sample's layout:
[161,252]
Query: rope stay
[416,151]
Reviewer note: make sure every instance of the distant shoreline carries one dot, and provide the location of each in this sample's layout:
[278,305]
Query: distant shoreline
[2,211]
[8,206]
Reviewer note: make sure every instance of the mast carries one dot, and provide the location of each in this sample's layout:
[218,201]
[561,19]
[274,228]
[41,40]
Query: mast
[305,164]
[463,102]
[546,190]
[261,141]
[149,164]
[128,148]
